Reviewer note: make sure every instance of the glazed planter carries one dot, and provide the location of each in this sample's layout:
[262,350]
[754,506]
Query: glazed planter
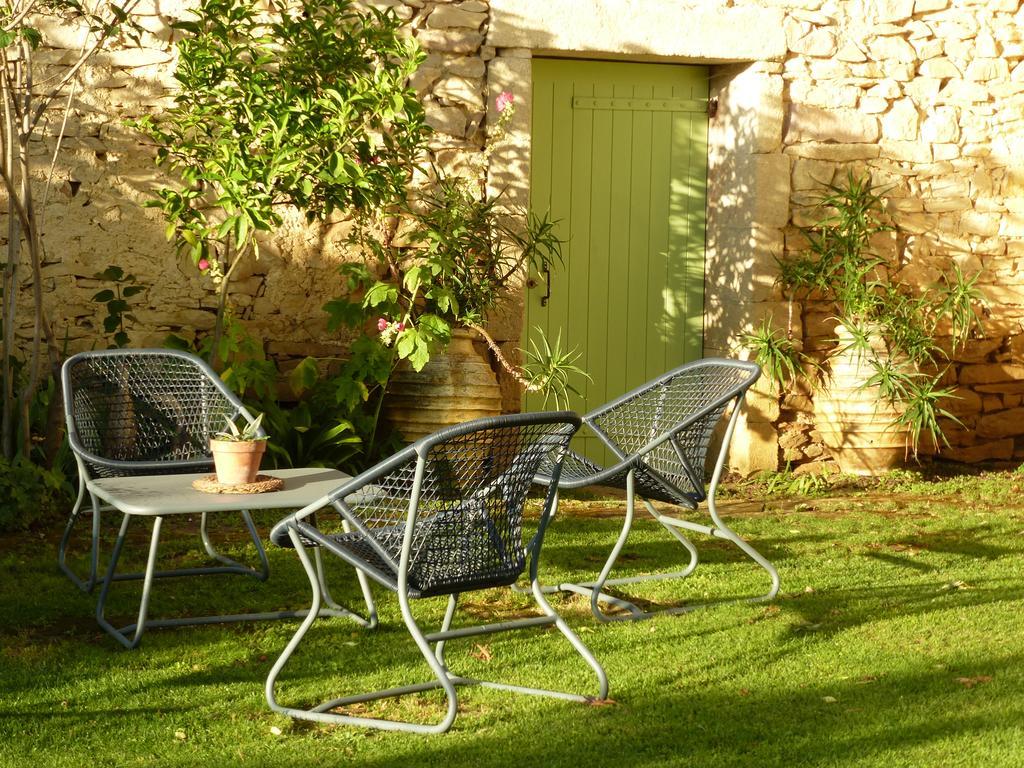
[457,385]
[237,462]
[856,424]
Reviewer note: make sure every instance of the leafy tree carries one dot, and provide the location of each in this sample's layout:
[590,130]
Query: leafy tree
[305,105]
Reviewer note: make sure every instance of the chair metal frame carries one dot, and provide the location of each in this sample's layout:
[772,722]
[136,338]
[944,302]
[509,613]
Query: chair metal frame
[222,403]
[85,458]
[641,473]
[300,531]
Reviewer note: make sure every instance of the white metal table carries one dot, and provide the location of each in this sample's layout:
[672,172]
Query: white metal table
[157,496]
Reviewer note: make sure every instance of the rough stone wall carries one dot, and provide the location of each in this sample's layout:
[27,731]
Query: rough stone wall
[928,97]
[925,94]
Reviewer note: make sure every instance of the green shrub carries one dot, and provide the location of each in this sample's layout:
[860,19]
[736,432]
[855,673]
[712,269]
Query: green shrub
[29,494]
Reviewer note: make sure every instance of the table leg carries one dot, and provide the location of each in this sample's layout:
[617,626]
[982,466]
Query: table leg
[147,584]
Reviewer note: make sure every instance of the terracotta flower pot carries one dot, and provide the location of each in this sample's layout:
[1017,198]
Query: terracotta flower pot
[237,463]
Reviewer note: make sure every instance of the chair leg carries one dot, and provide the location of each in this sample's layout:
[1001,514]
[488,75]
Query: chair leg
[86,585]
[595,589]
[434,657]
[335,608]
[321,713]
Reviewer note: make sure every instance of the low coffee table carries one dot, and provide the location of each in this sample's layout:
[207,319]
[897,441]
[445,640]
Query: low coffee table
[157,496]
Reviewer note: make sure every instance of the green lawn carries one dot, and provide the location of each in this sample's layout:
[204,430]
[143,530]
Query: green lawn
[897,640]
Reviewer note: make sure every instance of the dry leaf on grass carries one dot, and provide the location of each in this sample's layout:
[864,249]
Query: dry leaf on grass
[970,682]
[481,653]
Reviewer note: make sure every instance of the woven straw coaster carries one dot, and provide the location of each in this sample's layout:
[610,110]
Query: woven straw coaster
[262,484]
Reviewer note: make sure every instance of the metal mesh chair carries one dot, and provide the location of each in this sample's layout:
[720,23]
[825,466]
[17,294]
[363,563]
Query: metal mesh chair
[151,412]
[144,412]
[442,517]
[661,433]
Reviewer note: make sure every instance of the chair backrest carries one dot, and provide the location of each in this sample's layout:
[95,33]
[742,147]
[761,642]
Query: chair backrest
[468,486]
[151,411]
[704,389]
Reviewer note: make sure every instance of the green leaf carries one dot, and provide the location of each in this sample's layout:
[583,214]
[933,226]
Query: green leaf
[112,272]
[104,295]
[380,293]
[344,312]
[111,323]
[132,290]
[420,356]
[304,376]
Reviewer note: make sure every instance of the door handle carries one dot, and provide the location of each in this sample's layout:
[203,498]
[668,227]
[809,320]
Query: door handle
[547,294]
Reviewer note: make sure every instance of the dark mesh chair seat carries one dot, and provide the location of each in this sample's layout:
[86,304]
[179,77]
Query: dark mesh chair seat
[442,517]
[661,434]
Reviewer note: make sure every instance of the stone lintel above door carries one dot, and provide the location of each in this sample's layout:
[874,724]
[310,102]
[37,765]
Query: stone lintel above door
[639,28]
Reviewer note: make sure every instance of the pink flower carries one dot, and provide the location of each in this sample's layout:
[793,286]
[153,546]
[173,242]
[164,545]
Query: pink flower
[203,265]
[400,327]
[382,324]
[504,101]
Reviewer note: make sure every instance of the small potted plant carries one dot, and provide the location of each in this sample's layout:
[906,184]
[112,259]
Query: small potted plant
[237,452]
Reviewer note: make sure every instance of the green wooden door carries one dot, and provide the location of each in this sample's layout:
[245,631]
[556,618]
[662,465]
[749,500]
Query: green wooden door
[619,158]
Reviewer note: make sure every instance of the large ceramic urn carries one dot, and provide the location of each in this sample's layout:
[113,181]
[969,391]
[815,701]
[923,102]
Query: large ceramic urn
[455,386]
[856,424]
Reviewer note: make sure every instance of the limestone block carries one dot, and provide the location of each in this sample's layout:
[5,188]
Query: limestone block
[771,200]
[455,17]
[1001,424]
[1004,389]
[908,151]
[986,46]
[1012,225]
[975,223]
[929,6]
[987,69]
[941,125]
[945,151]
[902,121]
[927,49]
[851,53]
[886,89]
[618,26]
[450,40]
[962,93]
[424,77]
[976,350]
[963,402]
[829,69]
[892,49]
[449,120]
[990,373]
[468,92]
[812,174]
[891,11]
[820,42]
[871,105]
[940,67]
[829,96]
[465,66]
[996,450]
[847,126]
[838,153]
[754,448]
